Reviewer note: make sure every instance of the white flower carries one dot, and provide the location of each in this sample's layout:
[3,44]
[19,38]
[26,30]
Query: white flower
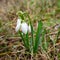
[29,28]
[18,25]
[24,27]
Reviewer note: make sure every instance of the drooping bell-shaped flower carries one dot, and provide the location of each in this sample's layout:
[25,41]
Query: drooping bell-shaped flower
[29,28]
[18,25]
[24,27]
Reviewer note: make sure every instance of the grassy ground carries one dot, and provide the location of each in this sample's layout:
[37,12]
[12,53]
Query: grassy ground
[11,45]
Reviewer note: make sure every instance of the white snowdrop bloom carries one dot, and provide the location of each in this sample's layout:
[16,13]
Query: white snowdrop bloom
[29,28]
[18,25]
[24,27]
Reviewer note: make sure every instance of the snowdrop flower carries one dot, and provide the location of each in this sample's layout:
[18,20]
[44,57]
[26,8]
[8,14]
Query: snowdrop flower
[29,28]
[18,25]
[24,27]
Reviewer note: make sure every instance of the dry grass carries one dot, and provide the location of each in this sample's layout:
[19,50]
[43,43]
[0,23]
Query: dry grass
[11,45]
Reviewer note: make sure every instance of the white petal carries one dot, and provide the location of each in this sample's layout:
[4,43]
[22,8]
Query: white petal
[18,25]
[24,27]
[29,28]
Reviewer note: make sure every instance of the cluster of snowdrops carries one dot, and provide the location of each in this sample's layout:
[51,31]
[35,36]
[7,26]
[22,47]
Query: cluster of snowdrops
[31,43]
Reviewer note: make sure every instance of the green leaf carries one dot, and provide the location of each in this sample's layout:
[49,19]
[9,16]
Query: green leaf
[42,39]
[27,40]
[37,39]
[45,45]
[23,39]
[32,32]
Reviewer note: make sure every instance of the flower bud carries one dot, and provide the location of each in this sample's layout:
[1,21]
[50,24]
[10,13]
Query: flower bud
[24,27]
[18,25]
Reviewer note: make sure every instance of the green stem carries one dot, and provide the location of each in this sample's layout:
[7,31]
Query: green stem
[23,39]
[27,40]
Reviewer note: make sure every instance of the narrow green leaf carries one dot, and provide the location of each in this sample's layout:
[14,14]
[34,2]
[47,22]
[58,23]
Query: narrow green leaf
[42,39]
[32,32]
[23,39]
[39,30]
[27,40]
[45,45]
